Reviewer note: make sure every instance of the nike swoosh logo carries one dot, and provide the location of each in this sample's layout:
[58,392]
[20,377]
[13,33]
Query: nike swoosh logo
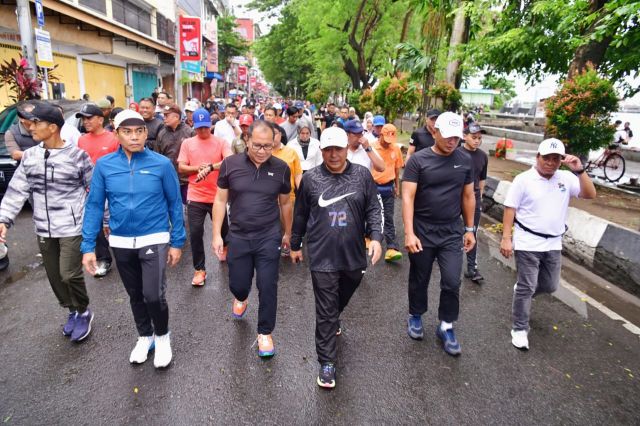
[324,203]
[455,167]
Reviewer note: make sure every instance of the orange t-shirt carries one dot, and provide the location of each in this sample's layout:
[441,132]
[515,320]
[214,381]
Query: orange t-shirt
[195,151]
[289,156]
[392,157]
[98,145]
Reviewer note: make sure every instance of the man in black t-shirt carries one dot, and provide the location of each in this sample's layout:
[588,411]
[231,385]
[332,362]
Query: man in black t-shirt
[480,161]
[437,187]
[422,137]
[256,185]
[335,201]
[329,117]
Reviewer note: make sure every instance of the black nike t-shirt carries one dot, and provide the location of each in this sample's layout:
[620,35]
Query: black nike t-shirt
[440,180]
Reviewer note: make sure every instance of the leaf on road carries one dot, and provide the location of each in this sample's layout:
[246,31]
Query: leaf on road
[135,390]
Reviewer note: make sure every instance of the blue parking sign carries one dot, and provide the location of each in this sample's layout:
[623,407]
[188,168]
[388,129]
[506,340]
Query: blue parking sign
[40,13]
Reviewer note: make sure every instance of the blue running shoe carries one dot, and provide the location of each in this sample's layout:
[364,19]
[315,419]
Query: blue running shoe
[414,327]
[449,342]
[83,326]
[327,377]
[71,323]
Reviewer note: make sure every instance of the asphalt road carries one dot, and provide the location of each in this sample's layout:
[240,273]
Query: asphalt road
[577,371]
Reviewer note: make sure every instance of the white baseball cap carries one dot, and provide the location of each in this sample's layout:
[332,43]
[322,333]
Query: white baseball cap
[190,106]
[333,136]
[551,146]
[277,106]
[128,117]
[449,124]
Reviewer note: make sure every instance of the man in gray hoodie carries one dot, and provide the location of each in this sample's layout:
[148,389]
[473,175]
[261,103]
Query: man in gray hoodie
[56,175]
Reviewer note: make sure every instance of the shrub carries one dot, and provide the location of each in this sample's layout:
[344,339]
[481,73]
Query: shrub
[447,93]
[579,113]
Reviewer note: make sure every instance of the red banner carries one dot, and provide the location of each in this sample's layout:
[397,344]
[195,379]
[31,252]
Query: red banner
[242,75]
[190,38]
[252,80]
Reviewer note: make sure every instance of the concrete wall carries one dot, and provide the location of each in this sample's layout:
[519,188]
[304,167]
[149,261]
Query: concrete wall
[608,250]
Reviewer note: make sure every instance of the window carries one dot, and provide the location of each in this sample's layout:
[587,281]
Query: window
[131,15]
[165,29]
[97,5]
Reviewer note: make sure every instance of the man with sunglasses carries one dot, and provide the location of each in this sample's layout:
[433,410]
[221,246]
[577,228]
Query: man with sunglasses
[147,230]
[257,187]
[98,142]
[537,202]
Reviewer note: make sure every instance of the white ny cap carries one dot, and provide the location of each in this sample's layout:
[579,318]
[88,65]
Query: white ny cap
[551,146]
[333,136]
[449,124]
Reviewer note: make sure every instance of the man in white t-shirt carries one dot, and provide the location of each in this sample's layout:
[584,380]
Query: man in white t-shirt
[538,202]
[229,128]
[360,150]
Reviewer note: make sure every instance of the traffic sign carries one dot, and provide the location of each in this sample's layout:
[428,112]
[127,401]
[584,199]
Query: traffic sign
[40,13]
[43,47]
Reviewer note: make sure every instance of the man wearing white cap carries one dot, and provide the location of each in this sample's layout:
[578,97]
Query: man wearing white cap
[147,230]
[537,202]
[437,188]
[335,201]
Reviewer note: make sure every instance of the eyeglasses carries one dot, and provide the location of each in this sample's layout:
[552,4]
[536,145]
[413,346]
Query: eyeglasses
[128,132]
[257,147]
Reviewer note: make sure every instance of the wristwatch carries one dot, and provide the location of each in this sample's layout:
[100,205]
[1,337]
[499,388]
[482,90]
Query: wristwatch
[469,229]
[579,172]
[368,149]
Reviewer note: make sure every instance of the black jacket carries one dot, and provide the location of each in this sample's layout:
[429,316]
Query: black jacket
[333,210]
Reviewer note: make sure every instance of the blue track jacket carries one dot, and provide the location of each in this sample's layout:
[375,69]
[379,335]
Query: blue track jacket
[144,198]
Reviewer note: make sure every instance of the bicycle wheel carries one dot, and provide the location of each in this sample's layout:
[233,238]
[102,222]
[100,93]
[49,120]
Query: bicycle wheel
[614,167]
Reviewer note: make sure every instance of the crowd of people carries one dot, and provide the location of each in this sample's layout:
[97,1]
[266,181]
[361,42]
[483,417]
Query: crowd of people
[274,178]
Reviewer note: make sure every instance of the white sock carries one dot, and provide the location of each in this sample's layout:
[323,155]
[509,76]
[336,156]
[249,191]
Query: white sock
[444,326]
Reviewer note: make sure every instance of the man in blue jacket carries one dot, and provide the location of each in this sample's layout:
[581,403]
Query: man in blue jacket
[146,226]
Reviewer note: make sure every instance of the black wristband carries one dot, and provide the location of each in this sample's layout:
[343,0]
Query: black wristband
[579,172]
[211,167]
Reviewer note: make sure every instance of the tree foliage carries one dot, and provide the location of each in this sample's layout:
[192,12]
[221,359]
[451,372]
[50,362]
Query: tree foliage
[17,76]
[535,38]
[395,96]
[505,86]
[230,43]
[579,113]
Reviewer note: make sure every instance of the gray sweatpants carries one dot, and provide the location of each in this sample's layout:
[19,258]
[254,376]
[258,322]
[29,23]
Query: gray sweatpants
[538,272]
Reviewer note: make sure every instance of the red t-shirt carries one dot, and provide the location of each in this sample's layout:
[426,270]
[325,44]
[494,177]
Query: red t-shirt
[97,146]
[195,151]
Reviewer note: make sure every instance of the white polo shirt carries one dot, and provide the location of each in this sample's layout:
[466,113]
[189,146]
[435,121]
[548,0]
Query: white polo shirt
[541,205]
[359,156]
[225,131]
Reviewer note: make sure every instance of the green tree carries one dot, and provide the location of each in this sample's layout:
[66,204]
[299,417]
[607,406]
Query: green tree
[535,38]
[230,43]
[502,84]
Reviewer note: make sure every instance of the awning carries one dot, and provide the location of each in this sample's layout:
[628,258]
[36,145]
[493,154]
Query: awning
[215,75]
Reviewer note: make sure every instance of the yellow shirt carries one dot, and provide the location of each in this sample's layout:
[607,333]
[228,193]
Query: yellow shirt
[289,156]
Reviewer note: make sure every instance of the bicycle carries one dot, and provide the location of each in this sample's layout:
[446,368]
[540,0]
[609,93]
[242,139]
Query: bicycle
[612,163]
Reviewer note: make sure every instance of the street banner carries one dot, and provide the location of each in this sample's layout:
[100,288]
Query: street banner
[190,66]
[211,29]
[242,75]
[190,38]
[44,58]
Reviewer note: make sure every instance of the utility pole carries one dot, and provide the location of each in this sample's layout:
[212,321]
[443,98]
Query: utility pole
[178,72]
[26,35]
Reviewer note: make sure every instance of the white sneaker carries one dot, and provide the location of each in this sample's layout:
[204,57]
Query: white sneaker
[519,339]
[140,352]
[163,354]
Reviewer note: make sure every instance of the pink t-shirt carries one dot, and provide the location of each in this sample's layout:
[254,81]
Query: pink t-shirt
[97,146]
[195,151]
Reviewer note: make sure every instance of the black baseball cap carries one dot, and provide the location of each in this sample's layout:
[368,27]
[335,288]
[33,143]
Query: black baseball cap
[473,128]
[433,113]
[46,112]
[89,110]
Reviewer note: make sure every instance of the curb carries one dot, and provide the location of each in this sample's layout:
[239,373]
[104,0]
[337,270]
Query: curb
[606,249]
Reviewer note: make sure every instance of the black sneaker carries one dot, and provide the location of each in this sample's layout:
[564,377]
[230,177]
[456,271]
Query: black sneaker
[339,332]
[102,269]
[327,376]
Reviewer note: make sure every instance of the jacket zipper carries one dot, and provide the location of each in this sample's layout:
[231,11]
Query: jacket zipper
[46,197]
[131,171]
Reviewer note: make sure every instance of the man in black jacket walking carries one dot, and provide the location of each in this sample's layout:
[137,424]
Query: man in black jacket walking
[335,201]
